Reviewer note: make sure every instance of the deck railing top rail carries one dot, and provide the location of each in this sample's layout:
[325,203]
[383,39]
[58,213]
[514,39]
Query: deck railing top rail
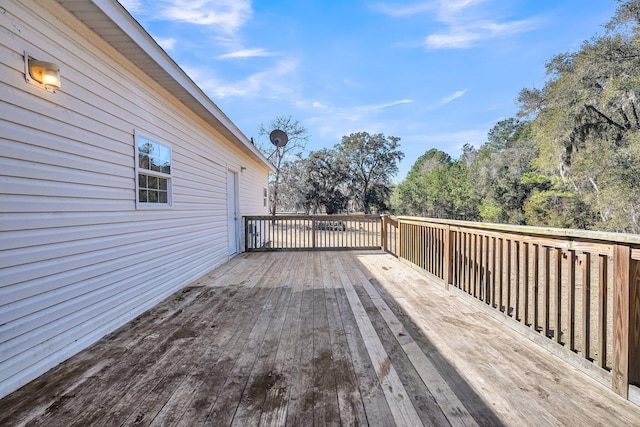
[566,233]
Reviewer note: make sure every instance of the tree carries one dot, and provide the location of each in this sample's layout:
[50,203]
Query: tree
[497,171]
[298,137]
[587,116]
[438,187]
[291,190]
[323,182]
[372,160]
[422,190]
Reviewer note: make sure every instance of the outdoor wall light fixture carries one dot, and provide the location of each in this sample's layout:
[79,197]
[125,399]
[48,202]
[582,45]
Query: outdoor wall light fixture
[44,73]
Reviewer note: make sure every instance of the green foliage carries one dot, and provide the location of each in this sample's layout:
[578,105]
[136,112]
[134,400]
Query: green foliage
[323,179]
[371,162]
[571,160]
[436,186]
[555,208]
[490,211]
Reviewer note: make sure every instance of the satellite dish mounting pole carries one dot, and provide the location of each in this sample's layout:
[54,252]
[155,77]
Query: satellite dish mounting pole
[279,139]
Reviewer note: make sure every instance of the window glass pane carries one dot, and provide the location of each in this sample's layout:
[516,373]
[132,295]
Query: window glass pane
[164,154]
[144,146]
[143,161]
[155,166]
[156,158]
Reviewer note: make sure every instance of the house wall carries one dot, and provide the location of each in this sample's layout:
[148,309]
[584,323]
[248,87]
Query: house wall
[77,258]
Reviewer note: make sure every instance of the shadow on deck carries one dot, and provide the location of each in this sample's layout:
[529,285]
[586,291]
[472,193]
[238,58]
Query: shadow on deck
[315,338]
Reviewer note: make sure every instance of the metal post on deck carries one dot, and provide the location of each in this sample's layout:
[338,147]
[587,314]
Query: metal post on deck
[625,365]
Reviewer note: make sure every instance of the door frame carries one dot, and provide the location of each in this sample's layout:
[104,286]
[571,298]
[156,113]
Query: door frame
[233,211]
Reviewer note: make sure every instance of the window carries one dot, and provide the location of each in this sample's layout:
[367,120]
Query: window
[264,192]
[153,170]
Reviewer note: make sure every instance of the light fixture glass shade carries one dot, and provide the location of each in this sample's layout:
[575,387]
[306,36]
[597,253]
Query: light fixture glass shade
[46,73]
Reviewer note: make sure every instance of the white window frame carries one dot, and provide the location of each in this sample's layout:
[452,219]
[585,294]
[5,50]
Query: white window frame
[139,170]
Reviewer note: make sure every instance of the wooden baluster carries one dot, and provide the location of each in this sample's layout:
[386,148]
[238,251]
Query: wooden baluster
[448,256]
[525,283]
[516,314]
[586,303]
[507,305]
[535,261]
[571,299]
[603,277]
[558,300]
[492,271]
[467,262]
[500,274]
[473,264]
[547,289]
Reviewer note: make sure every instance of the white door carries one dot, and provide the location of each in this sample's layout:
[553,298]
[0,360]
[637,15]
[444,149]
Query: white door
[233,212]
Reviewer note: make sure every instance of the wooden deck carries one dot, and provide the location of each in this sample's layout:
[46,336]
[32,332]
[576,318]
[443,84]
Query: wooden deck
[315,338]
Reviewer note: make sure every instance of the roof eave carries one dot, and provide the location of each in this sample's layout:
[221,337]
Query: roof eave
[111,21]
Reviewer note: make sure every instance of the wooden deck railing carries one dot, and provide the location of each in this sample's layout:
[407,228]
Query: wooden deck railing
[576,293]
[390,235]
[318,232]
[573,290]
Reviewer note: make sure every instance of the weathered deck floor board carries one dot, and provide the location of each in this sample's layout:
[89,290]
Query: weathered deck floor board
[315,338]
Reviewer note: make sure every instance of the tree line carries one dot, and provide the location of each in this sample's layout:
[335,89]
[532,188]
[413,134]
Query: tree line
[571,156]
[353,176]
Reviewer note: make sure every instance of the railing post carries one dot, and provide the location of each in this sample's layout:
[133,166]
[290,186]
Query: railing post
[246,233]
[448,256]
[313,232]
[399,239]
[383,230]
[625,365]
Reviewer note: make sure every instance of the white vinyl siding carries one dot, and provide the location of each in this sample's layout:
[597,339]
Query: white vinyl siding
[77,259]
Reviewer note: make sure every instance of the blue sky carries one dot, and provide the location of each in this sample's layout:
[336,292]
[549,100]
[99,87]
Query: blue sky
[436,73]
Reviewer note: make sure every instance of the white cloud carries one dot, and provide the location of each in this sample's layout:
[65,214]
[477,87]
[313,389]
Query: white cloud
[245,53]
[451,10]
[394,103]
[333,122]
[466,22]
[452,40]
[226,15]
[466,34]
[396,10]
[455,95]
[166,43]
[274,82]
[132,6]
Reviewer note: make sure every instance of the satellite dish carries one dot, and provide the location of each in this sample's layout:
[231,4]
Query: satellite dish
[278,138]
